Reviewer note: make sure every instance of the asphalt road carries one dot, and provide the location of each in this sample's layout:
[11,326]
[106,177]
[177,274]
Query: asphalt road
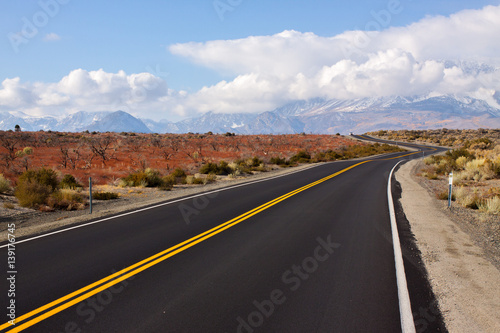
[319,259]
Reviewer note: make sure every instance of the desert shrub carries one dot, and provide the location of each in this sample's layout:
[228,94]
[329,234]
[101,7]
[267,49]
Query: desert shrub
[135,179]
[35,186]
[165,186]
[429,160]
[326,156]
[468,198]
[168,180]
[192,180]
[491,205]
[461,162]
[357,151]
[320,157]
[70,182]
[105,195]
[495,166]
[430,175]
[254,162]
[32,194]
[222,168]
[260,168]
[178,173]
[445,166]
[153,178]
[456,153]
[480,143]
[331,155]
[43,176]
[209,179]
[301,157]
[240,167]
[27,151]
[237,169]
[4,184]
[178,176]
[65,200]
[209,168]
[146,178]
[478,170]
[279,161]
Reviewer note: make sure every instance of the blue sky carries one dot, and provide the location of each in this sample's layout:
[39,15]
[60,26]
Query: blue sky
[137,37]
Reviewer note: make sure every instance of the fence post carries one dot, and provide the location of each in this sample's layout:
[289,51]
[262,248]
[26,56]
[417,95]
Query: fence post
[90,194]
[450,190]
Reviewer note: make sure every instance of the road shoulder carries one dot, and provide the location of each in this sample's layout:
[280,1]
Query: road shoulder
[463,280]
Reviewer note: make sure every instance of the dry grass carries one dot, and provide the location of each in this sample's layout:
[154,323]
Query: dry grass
[475,163]
[66,200]
[468,197]
[4,185]
[491,205]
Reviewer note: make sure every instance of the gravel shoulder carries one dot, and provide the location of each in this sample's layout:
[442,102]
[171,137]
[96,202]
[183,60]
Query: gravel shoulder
[460,252]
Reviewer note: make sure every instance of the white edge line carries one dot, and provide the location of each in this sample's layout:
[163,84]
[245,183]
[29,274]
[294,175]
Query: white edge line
[407,323]
[159,205]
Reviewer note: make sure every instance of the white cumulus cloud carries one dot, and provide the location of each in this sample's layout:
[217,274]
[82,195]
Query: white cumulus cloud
[422,58]
[87,90]
[457,55]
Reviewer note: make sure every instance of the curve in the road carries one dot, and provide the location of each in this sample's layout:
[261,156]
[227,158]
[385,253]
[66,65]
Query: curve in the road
[52,308]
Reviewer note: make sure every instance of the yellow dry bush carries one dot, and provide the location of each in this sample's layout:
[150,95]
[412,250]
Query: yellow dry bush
[4,184]
[478,170]
[468,198]
[461,162]
[491,205]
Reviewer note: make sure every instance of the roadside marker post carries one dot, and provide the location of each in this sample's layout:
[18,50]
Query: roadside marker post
[90,194]
[450,190]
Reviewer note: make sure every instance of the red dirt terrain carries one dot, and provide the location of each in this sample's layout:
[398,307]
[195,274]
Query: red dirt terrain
[109,156]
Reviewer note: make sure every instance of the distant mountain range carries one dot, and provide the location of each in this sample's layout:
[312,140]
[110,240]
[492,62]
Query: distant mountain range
[311,116]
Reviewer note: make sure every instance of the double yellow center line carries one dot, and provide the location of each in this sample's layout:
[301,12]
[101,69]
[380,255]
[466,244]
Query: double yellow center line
[76,297]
